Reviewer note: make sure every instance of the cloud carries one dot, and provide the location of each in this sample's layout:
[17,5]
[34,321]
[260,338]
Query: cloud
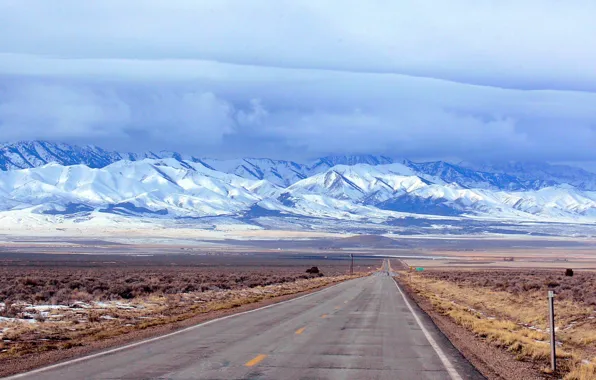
[303,114]
[38,110]
[532,44]
[296,79]
[120,116]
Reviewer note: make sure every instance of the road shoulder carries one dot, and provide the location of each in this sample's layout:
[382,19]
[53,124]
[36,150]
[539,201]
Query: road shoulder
[460,363]
[487,360]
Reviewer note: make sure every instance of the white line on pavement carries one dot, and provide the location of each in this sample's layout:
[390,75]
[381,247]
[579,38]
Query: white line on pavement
[450,369]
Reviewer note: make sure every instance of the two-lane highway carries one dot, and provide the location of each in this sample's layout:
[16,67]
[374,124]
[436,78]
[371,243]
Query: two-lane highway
[359,329]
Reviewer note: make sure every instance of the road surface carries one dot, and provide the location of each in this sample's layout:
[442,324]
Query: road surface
[360,329]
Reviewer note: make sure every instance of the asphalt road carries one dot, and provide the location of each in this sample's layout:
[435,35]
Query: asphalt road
[360,329]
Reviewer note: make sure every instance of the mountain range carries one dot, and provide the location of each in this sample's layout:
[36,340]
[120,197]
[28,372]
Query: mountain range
[68,181]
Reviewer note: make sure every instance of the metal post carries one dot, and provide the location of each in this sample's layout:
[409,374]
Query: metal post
[553,342]
[352,264]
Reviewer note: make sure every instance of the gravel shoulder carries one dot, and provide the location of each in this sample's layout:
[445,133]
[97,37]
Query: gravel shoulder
[492,362]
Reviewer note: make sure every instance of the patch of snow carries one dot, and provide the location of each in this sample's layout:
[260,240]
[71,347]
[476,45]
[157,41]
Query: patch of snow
[7,319]
[126,306]
[80,304]
[46,307]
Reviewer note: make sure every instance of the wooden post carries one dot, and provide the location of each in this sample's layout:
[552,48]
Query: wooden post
[352,264]
[553,342]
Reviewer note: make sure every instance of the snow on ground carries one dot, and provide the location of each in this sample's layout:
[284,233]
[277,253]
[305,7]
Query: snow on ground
[46,307]
[30,312]
[23,320]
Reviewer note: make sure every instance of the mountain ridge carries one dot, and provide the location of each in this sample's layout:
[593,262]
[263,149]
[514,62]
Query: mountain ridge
[172,189]
[507,177]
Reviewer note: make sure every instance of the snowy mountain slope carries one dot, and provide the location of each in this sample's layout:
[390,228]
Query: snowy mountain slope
[59,179]
[559,201]
[29,154]
[323,164]
[396,187]
[463,176]
[285,173]
[542,174]
[360,182]
[506,177]
[149,186]
[169,188]
[279,172]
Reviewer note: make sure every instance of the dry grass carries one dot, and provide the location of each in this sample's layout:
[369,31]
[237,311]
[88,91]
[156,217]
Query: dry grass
[583,371]
[85,323]
[66,285]
[514,317]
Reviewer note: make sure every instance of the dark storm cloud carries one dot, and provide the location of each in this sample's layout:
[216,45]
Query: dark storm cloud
[457,79]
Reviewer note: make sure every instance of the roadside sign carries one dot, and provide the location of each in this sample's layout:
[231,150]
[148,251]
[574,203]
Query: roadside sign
[419,269]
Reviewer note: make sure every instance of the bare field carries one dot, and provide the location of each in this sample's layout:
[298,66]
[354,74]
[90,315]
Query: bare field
[508,309]
[479,263]
[60,302]
[575,257]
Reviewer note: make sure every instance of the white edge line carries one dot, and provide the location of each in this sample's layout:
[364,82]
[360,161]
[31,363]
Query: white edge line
[108,352]
[450,369]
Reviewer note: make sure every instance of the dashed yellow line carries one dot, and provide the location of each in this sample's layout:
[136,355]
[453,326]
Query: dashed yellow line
[259,358]
[337,308]
[324,316]
[300,330]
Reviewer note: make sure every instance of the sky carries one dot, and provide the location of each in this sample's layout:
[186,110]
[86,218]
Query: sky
[473,80]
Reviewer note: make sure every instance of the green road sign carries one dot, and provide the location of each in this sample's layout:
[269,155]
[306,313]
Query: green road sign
[419,269]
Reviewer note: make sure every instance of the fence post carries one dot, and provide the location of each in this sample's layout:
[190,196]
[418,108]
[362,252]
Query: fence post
[553,342]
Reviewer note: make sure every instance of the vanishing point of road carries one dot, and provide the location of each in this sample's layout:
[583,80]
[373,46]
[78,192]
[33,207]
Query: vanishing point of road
[359,329]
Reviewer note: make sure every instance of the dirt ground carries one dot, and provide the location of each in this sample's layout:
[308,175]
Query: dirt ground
[507,310]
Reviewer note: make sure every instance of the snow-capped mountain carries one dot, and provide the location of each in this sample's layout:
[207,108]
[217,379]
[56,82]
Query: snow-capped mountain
[278,172]
[324,163]
[508,177]
[151,186]
[539,175]
[463,176]
[361,183]
[41,178]
[169,188]
[31,154]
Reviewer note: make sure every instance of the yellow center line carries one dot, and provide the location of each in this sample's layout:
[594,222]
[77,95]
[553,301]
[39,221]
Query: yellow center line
[324,316]
[337,308]
[259,358]
[300,330]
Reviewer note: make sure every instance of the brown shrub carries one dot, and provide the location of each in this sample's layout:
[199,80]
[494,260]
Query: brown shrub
[66,285]
[579,288]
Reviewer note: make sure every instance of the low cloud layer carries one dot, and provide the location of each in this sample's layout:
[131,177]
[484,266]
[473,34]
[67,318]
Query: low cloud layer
[298,79]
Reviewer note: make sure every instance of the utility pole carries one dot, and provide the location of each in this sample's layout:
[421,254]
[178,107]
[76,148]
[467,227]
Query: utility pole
[553,342]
